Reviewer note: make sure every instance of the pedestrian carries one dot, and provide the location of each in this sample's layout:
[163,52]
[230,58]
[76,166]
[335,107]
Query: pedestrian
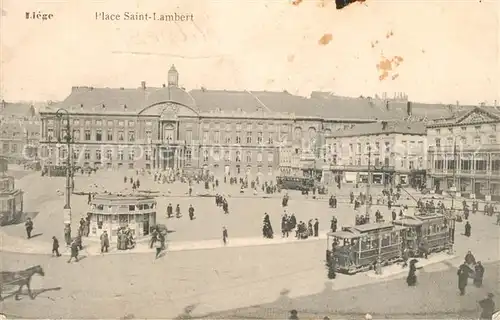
[463,277]
[55,247]
[468,229]
[411,280]
[293,315]
[67,234]
[159,248]
[488,307]
[478,274]
[178,211]
[29,227]
[224,235]
[74,251]
[316,227]
[191,212]
[104,241]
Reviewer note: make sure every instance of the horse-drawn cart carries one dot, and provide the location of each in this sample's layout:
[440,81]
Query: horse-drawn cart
[11,280]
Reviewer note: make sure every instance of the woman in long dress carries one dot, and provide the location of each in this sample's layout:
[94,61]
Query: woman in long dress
[411,280]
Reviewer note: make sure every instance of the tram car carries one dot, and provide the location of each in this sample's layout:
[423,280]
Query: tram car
[425,233]
[355,249]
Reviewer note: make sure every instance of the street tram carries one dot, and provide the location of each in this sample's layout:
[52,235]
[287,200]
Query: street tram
[357,248]
[295,183]
[430,232]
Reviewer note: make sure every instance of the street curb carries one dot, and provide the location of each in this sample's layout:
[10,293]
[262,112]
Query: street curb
[94,249]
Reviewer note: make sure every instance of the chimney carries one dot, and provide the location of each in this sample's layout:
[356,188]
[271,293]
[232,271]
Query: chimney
[387,104]
[124,107]
[143,85]
[164,86]
[384,125]
[408,108]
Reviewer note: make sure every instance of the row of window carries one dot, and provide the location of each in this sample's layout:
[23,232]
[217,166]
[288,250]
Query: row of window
[216,156]
[455,130]
[220,137]
[100,135]
[405,163]
[467,165]
[14,134]
[100,122]
[477,140]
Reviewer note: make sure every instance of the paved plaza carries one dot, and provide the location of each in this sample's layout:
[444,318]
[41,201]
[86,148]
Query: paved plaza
[244,221]
[246,279]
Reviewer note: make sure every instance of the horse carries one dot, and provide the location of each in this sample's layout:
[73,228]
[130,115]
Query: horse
[20,278]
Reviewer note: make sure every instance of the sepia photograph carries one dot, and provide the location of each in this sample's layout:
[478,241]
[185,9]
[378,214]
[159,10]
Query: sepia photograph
[251,159]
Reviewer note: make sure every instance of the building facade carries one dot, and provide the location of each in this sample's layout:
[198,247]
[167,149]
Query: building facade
[464,152]
[224,132]
[393,152]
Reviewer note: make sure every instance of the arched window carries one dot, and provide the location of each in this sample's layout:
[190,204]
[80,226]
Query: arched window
[297,132]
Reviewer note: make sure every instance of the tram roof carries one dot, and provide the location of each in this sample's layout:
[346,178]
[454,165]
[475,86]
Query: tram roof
[429,216]
[372,227]
[408,222]
[344,234]
[119,198]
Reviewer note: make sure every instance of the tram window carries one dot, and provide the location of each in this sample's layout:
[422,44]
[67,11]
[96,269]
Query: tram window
[123,218]
[115,217]
[100,207]
[428,231]
[386,240]
[99,225]
[140,207]
[131,207]
[138,218]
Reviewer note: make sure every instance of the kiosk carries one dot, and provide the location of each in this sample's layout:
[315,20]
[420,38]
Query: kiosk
[114,212]
[11,199]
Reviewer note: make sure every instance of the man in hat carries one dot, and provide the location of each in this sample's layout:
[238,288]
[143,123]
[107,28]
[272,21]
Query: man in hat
[29,227]
[104,241]
[478,274]
[74,251]
[55,246]
[488,307]
[463,277]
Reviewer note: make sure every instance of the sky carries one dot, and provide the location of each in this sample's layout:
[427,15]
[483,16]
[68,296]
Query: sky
[434,51]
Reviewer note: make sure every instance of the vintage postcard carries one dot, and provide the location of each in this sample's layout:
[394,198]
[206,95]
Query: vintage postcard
[249,159]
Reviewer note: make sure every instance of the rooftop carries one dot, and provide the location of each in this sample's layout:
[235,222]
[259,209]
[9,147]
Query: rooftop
[17,109]
[382,127]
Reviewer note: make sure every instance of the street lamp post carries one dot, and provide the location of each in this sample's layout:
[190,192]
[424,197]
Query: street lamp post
[368,185]
[60,114]
[452,192]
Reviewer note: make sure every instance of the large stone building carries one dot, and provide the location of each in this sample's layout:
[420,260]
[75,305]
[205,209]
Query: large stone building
[394,153]
[19,131]
[464,153]
[232,132]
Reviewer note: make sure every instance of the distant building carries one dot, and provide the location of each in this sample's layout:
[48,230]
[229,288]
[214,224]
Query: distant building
[464,152]
[19,140]
[16,111]
[394,152]
[234,133]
